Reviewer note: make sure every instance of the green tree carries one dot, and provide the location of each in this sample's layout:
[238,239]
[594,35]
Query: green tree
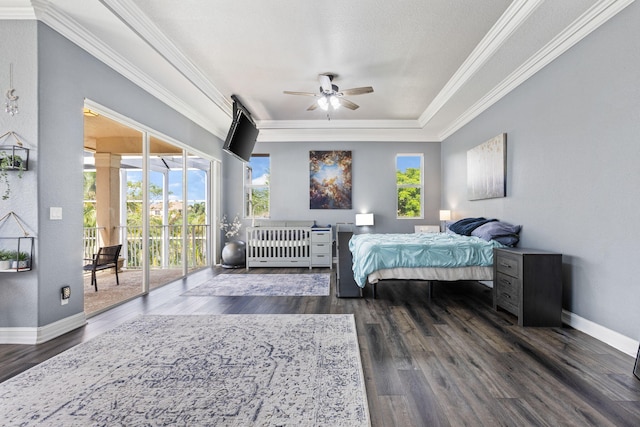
[134,203]
[197,214]
[410,176]
[89,189]
[260,202]
[409,198]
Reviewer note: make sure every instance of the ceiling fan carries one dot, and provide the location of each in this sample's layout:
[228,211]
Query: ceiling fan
[331,96]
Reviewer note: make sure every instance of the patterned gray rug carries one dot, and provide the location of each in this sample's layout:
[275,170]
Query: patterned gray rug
[315,284]
[232,370]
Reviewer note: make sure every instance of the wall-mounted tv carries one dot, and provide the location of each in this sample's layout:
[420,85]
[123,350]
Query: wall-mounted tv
[242,134]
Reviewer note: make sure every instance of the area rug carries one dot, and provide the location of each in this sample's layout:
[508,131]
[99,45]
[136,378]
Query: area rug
[314,284]
[231,370]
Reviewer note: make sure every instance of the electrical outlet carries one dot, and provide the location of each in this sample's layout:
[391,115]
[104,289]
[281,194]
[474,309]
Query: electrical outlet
[65,294]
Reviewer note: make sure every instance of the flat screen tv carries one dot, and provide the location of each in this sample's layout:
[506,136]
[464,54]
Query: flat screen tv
[241,137]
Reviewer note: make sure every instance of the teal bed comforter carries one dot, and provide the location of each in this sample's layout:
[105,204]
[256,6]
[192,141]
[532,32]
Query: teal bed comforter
[372,252]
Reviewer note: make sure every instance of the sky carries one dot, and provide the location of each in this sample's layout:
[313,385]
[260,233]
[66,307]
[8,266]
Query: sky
[405,162]
[261,167]
[196,183]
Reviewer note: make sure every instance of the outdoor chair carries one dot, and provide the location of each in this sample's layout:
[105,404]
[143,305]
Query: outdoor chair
[107,257]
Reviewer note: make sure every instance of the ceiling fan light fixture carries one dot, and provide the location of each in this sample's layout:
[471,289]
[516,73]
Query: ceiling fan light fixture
[335,102]
[323,103]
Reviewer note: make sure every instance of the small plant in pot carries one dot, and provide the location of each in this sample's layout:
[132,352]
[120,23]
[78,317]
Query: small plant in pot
[19,260]
[9,162]
[5,260]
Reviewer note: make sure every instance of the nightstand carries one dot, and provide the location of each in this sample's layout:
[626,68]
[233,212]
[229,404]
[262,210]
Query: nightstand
[322,247]
[528,284]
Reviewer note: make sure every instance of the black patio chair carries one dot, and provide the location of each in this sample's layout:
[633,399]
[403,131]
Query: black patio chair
[107,257]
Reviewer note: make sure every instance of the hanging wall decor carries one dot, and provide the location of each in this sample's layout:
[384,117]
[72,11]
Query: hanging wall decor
[12,158]
[486,169]
[11,105]
[330,179]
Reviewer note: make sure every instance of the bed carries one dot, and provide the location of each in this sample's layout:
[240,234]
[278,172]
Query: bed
[430,256]
[279,245]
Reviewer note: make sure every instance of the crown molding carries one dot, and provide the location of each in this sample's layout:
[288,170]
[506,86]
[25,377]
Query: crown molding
[515,15]
[346,135]
[338,124]
[588,22]
[17,10]
[49,14]
[138,22]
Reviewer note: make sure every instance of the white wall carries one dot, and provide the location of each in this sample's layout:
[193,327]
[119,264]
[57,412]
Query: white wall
[573,144]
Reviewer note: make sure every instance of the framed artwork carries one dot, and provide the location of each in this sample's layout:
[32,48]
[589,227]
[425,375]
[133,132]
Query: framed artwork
[487,169]
[330,179]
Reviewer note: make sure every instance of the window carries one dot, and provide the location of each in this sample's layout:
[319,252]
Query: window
[256,186]
[409,185]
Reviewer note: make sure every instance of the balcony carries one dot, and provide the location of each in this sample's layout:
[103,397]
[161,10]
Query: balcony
[165,261]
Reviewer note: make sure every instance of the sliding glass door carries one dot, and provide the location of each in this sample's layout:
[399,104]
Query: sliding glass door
[149,194]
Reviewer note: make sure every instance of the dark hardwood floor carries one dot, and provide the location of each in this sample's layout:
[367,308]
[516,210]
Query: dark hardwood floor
[450,360]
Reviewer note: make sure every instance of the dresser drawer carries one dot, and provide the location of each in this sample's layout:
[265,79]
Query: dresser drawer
[506,302]
[321,236]
[511,265]
[322,248]
[508,291]
[321,260]
[508,284]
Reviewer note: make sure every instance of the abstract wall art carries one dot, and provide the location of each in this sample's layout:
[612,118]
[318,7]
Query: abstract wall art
[487,169]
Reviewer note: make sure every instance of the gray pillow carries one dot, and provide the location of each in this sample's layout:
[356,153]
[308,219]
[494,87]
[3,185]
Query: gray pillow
[491,230]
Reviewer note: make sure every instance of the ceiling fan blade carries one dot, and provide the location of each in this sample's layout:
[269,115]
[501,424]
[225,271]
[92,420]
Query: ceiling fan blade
[357,91]
[288,92]
[312,106]
[325,83]
[348,104]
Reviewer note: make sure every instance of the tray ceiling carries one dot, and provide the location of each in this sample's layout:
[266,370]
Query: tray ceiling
[434,65]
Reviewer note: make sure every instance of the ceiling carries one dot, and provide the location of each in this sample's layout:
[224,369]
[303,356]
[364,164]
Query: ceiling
[434,65]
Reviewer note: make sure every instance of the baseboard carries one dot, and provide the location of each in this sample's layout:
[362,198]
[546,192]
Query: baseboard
[606,335]
[37,335]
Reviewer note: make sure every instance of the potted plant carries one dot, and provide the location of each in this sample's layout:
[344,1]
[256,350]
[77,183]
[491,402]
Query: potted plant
[19,259]
[5,260]
[10,162]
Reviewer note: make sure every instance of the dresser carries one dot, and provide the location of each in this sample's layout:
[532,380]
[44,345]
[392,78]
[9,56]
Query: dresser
[528,284]
[322,247]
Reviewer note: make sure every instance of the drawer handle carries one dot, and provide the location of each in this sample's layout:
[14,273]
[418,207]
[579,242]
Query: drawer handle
[505,281]
[502,264]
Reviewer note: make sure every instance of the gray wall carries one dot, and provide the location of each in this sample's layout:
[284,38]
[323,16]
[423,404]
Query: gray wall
[18,292]
[373,173]
[573,169]
[66,75]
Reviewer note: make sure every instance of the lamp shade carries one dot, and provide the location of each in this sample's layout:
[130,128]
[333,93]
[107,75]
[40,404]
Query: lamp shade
[445,215]
[364,219]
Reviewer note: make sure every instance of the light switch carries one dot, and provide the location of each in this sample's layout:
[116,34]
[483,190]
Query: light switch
[55,213]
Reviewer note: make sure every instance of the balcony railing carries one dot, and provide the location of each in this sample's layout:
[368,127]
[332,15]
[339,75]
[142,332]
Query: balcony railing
[91,241]
[165,245]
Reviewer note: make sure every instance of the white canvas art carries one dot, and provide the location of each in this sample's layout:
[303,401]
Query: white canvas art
[487,170]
